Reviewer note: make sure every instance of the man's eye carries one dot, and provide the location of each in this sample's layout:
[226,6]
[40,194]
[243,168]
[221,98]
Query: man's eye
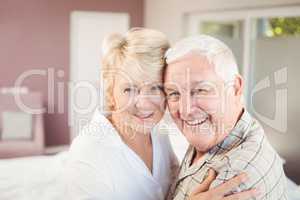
[201,91]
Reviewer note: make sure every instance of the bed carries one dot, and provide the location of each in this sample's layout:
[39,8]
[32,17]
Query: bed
[32,178]
[38,178]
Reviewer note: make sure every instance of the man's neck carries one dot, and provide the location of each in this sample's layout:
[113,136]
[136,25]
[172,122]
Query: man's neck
[198,155]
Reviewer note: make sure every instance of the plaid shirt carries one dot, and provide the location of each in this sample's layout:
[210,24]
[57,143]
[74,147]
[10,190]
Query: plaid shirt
[245,149]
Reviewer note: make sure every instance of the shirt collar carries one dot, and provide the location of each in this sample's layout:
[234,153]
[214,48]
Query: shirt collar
[101,128]
[236,135]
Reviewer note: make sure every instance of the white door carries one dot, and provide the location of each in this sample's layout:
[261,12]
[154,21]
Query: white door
[88,30]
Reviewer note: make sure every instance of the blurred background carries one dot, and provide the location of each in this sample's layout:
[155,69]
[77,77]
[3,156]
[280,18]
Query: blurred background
[48,47]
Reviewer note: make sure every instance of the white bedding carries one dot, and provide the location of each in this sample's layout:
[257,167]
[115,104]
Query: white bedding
[293,190]
[32,178]
[37,178]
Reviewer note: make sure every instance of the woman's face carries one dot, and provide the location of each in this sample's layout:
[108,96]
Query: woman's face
[138,105]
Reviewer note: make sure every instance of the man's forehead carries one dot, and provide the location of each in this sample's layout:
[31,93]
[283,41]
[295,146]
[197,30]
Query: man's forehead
[184,85]
[186,74]
[190,77]
[187,71]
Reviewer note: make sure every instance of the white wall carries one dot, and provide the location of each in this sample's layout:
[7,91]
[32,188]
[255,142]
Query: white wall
[168,15]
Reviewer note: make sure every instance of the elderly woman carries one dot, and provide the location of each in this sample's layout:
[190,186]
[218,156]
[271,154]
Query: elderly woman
[205,99]
[123,155]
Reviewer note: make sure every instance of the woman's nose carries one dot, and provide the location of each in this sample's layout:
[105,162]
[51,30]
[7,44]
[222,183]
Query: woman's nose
[142,101]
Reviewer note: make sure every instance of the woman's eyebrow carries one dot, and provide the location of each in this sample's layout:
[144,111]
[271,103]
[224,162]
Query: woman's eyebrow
[167,89]
[126,85]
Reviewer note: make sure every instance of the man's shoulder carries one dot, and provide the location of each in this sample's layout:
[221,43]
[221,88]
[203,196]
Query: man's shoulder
[252,153]
[255,142]
[254,149]
[255,156]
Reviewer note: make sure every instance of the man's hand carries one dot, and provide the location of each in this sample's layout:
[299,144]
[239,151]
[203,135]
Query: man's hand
[202,192]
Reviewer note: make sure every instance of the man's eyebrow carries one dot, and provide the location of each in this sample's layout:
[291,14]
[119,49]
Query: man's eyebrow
[203,83]
[199,82]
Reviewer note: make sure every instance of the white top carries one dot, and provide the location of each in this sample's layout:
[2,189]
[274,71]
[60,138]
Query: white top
[102,166]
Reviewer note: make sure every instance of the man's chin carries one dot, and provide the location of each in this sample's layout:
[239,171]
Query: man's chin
[200,140]
[202,149]
[206,135]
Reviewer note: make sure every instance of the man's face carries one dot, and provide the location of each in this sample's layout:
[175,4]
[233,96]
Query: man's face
[202,105]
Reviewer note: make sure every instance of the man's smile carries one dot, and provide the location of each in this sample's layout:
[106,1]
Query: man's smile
[196,122]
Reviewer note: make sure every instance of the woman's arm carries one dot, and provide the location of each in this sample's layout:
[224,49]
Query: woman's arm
[202,192]
[84,176]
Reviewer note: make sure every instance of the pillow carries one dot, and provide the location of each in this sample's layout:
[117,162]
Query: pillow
[16,126]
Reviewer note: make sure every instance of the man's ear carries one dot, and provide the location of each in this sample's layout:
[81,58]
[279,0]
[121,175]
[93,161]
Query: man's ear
[238,85]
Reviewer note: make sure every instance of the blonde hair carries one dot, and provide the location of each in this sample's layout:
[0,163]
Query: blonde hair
[140,49]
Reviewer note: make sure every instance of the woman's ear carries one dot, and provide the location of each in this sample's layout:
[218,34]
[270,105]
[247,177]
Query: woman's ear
[109,93]
[112,99]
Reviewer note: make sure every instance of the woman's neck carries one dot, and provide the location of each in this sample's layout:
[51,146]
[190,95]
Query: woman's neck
[140,143]
[129,136]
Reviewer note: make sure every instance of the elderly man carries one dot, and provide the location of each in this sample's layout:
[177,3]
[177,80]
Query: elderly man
[205,99]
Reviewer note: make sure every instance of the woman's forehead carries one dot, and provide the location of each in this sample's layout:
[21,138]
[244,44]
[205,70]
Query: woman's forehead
[134,71]
[137,81]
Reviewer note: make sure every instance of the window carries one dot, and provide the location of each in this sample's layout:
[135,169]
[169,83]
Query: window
[278,27]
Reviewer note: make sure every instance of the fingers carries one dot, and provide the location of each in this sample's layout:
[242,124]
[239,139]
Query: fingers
[204,186]
[242,195]
[231,184]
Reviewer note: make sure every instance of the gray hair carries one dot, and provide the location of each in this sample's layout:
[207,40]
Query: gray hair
[213,49]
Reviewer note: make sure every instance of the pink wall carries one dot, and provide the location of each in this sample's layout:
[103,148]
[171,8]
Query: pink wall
[34,34]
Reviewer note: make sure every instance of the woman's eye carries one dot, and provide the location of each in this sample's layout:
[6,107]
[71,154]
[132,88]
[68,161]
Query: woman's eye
[173,95]
[126,90]
[157,88]
[129,90]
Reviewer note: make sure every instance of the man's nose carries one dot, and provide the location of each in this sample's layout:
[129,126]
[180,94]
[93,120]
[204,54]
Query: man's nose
[186,106]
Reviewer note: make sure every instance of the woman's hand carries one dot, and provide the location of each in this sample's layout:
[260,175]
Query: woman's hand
[202,192]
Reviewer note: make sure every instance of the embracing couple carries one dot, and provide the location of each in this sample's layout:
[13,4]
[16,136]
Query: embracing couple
[123,154]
